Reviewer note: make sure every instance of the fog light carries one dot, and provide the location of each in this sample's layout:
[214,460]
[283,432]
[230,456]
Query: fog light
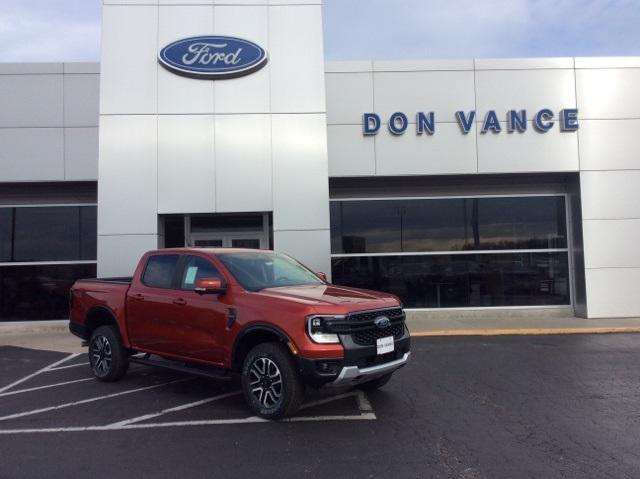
[328,367]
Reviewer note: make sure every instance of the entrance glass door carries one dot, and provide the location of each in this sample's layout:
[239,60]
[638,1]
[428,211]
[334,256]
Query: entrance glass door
[254,240]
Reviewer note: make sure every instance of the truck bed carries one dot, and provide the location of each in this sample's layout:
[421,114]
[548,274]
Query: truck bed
[118,280]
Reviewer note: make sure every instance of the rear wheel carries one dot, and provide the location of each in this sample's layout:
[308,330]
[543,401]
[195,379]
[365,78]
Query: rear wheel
[270,382]
[108,357]
[375,383]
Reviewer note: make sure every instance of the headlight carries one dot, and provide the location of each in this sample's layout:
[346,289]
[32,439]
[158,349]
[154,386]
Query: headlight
[317,331]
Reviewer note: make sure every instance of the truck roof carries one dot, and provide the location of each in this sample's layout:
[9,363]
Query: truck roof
[209,250]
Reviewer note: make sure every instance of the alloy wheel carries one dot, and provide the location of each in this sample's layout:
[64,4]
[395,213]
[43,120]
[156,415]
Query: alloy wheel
[265,382]
[101,355]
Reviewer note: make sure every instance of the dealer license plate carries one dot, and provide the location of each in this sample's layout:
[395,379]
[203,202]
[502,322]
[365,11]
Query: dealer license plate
[385,345]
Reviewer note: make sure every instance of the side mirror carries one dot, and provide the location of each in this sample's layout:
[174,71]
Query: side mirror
[322,276]
[210,286]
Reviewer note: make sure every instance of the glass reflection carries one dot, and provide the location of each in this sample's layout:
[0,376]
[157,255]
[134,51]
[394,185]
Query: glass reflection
[466,280]
[39,292]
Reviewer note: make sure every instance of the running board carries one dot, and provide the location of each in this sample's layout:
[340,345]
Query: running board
[218,374]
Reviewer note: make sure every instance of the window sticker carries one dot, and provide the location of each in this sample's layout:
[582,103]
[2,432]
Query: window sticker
[190,277]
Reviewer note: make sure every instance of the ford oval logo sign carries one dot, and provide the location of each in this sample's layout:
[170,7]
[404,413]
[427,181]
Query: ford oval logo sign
[213,57]
[382,322]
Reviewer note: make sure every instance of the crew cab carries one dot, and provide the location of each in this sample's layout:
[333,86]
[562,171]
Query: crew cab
[256,313]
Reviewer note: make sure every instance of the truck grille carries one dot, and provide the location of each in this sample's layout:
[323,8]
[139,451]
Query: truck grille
[369,337]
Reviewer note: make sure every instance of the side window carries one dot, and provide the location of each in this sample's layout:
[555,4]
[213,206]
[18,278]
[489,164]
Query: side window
[160,271]
[196,268]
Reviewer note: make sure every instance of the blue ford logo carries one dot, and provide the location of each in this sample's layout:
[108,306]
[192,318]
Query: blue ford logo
[213,57]
[382,322]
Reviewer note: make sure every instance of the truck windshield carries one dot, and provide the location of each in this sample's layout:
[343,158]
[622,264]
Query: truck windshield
[256,271]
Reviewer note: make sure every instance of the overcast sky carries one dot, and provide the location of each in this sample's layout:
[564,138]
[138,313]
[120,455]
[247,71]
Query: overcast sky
[69,30]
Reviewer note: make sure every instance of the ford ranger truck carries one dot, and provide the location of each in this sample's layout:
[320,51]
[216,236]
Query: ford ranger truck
[256,313]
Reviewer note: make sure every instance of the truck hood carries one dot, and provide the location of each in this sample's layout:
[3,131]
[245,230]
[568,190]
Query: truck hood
[350,299]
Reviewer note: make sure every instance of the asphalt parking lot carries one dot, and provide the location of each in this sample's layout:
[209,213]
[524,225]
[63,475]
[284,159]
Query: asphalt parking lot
[467,407]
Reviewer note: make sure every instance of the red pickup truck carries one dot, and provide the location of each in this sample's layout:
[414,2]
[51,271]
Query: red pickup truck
[218,312]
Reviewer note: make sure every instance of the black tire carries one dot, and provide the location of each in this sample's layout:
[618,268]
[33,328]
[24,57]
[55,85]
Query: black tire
[375,383]
[270,382]
[108,358]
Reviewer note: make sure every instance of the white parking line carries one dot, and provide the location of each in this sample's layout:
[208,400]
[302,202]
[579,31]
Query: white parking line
[85,401]
[65,367]
[10,393]
[174,409]
[46,368]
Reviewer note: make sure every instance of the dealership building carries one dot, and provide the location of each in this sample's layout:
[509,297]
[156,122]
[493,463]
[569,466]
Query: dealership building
[455,184]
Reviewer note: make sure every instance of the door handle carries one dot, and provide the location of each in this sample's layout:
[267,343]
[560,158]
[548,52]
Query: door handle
[137,297]
[179,302]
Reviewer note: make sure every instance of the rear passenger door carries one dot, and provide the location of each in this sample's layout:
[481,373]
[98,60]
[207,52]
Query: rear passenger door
[152,313]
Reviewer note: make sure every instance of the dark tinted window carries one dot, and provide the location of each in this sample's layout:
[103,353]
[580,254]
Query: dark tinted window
[6,221]
[195,269]
[463,280]
[39,292]
[88,232]
[59,233]
[160,271]
[47,234]
[456,224]
[173,231]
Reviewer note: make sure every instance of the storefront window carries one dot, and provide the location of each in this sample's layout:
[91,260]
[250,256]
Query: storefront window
[461,280]
[39,236]
[39,291]
[372,242]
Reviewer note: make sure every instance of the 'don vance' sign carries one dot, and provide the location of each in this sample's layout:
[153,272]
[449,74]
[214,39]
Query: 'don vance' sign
[213,57]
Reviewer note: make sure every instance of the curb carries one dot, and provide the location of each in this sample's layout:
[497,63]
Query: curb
[30,327]
[525,331]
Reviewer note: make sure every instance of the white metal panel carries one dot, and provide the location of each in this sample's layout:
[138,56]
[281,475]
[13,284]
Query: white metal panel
[443,92]
[607,62]
[354,66]
[243,163]
[296,59]
[250,93]
[81,99]
[176,93]
[241,2]
[433,64]
[613,292]
[186,165]
[309,247]
[300,176]
[186,2]
[523,63]
[350,153]
[19,68]
[118,255]
[530,151]
[127,173]
[128,79]
[81,153]
[349,95]
[31,154]
[81,67]
[531,90]
[611,243]
[609,144]
[608,93]
[30,100]
[130,2]
[610,194]
[447,151]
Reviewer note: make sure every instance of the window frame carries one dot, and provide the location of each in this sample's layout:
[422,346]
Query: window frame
[568,250]
[47,262]
[174,280]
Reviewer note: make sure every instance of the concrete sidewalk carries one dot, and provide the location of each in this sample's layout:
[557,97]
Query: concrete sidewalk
[55,335]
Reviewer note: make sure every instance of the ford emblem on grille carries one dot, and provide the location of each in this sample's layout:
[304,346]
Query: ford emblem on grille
[382,322]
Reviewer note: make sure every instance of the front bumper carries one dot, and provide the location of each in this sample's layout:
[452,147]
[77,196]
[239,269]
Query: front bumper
[352,375]
[359,364]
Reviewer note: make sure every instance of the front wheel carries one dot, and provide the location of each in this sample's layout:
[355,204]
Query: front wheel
[270,382]
[108,357]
